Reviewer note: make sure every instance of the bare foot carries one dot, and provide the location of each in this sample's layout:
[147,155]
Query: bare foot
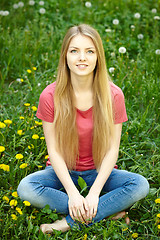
[122,215]
[60,225]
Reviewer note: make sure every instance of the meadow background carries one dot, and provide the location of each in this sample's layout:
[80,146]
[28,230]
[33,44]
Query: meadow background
[31,34]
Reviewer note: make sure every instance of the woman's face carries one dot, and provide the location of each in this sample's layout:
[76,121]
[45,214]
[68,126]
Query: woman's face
[81,56]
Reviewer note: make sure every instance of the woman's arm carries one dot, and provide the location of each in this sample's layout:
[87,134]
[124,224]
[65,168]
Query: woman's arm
[76,201]
[105,170]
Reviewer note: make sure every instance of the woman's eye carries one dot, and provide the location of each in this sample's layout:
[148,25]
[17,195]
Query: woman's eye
[90,51]
[73,51]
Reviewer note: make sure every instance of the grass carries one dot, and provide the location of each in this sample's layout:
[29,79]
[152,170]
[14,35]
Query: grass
[29,39]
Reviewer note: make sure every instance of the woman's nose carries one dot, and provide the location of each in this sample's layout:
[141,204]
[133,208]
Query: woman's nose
[82,56]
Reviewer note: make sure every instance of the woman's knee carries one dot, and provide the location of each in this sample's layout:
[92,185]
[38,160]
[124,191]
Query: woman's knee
[24,189]
[142,184]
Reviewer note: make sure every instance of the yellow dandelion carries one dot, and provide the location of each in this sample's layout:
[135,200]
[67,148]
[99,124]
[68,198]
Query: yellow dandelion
[4,167]
[157,200]
[14,217]
[47,156]
[38,123]
[30,146]
[19,210]
[34,108]
[23,165]
[35,136]
[13,202]
[124,229]
[27,203]
[158,215]
[85,236]
[40,166]
[42,138]
[19,132]
[19,156]
[27,104]
[2,125]
[158,226]
[22,118]
[134,235]
[2,149]
[7,121]
[15,194]
[29,70]
[5,198]
[34,68]
[22,80]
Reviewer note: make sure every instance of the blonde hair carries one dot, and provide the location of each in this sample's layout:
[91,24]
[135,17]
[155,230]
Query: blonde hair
[64,104]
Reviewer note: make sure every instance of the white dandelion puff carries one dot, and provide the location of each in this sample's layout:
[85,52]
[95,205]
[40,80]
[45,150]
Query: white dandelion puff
[137,15]
[88,4]
[157,51]
[42,10]
[111,69]
[154,10]
[108,30]
[115,21]
[31,2]
[122,50]
[156,18]
[21,4]
[41,3]
[140,36]
[15,6]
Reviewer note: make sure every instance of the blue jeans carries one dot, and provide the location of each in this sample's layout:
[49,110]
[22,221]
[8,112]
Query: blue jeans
[122,189]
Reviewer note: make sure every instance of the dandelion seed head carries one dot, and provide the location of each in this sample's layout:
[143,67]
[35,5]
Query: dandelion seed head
[137,15]
[21,4]
[154,10]
[88,4]
[42,10]
[112,54]
[4,13]
[156,18]
[15,6]
[41,3]
[108,30]
[157,51]
[31,2]
[132,27]
[122,49]
[115,22]
[111,69]
[140,36]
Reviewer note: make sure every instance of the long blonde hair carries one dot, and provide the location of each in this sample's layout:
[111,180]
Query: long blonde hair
[64,104]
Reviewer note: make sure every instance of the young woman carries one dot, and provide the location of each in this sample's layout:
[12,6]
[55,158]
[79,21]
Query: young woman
[82,114]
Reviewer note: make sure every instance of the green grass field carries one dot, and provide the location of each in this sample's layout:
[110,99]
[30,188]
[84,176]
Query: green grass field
[31,34]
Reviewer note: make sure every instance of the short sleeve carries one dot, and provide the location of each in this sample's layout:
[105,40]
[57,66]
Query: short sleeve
[119,108]
[45,109]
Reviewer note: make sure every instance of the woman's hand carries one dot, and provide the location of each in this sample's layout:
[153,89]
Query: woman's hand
[78,207]
[92,203]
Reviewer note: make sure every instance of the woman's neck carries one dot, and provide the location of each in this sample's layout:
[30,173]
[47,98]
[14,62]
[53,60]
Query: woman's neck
[82,83]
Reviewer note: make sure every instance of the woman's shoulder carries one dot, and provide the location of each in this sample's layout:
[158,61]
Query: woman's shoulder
[49,89]
[115,90]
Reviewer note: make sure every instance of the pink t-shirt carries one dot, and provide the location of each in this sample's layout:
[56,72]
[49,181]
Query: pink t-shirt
[84,120]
